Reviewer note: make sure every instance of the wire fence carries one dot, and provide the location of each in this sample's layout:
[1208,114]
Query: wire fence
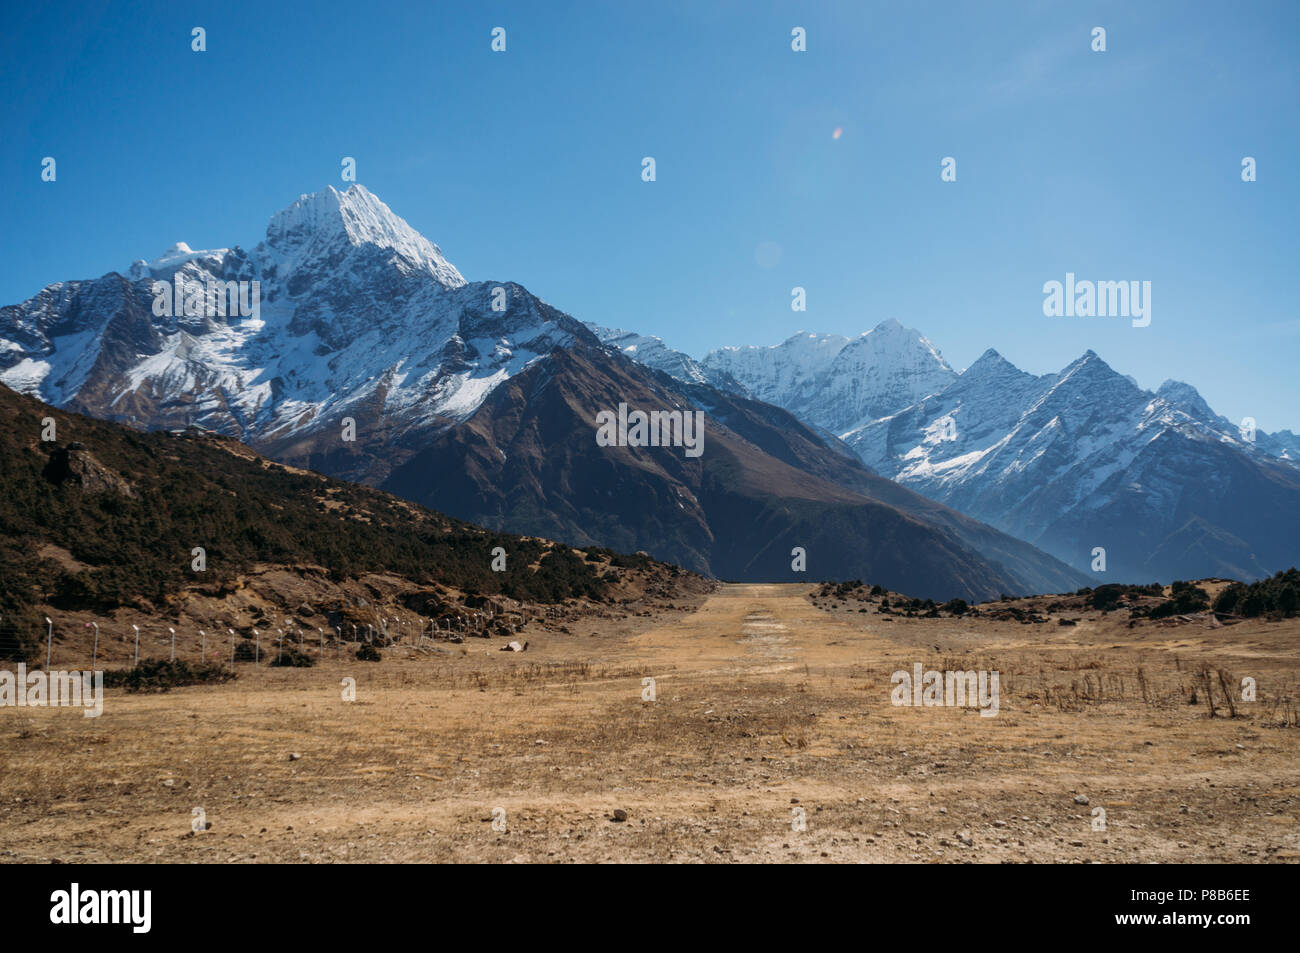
[92,645]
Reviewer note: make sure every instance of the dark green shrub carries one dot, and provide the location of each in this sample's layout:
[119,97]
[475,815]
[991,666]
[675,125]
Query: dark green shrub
[160,675]
[292,658]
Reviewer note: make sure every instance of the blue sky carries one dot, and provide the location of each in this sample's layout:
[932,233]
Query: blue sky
[525,165]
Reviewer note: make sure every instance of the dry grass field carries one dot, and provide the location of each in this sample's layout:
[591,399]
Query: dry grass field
[771,702]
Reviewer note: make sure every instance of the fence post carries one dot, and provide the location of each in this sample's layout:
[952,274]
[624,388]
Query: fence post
[232,648]
[49,642]
[173,632]
[203,645]
[137,645]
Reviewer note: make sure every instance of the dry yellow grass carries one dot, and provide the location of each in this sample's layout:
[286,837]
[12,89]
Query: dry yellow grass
[765,703]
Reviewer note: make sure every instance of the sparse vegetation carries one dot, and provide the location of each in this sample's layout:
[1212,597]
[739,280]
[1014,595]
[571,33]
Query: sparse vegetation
[1186,598]
[291,657]
[125,538]
[161,675]
[1277,597]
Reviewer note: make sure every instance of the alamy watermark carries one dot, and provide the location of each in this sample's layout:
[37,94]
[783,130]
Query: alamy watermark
[1098,299]
[24,689]
[935,689]
[658,428]
[131,907]
[211,299]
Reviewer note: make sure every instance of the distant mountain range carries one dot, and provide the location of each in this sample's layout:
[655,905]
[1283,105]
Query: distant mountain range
[480,400]
[1070,462]
[353,347]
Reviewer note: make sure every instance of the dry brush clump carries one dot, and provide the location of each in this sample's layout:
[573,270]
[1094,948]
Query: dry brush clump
[161,675]
[1094,682]
[1281,707]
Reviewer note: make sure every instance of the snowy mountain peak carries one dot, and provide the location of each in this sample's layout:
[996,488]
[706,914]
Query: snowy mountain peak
[890,335]
[317,226]
[1088,362]
[171,260]
[651,351]
[988,365]
[803,342]
[1089,377]
[838,382]
[1186,398]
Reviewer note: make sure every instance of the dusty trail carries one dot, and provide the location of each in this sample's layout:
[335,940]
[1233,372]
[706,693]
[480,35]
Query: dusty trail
[742,626]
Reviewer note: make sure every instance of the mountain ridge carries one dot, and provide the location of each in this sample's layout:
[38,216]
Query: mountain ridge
[1054,459]
[367,347]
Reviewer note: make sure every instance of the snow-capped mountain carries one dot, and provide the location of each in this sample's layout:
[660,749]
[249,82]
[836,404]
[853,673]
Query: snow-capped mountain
[836,382]
[1086,459]
[1282,444]
[1069,462]
[478,399]
[652,352]
[356,315]
[345,319]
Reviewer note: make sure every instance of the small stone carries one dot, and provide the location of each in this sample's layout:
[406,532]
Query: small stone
[1081,799]
[294,756]
[620,815]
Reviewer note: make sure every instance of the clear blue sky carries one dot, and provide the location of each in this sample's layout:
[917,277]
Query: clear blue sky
[526,165]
